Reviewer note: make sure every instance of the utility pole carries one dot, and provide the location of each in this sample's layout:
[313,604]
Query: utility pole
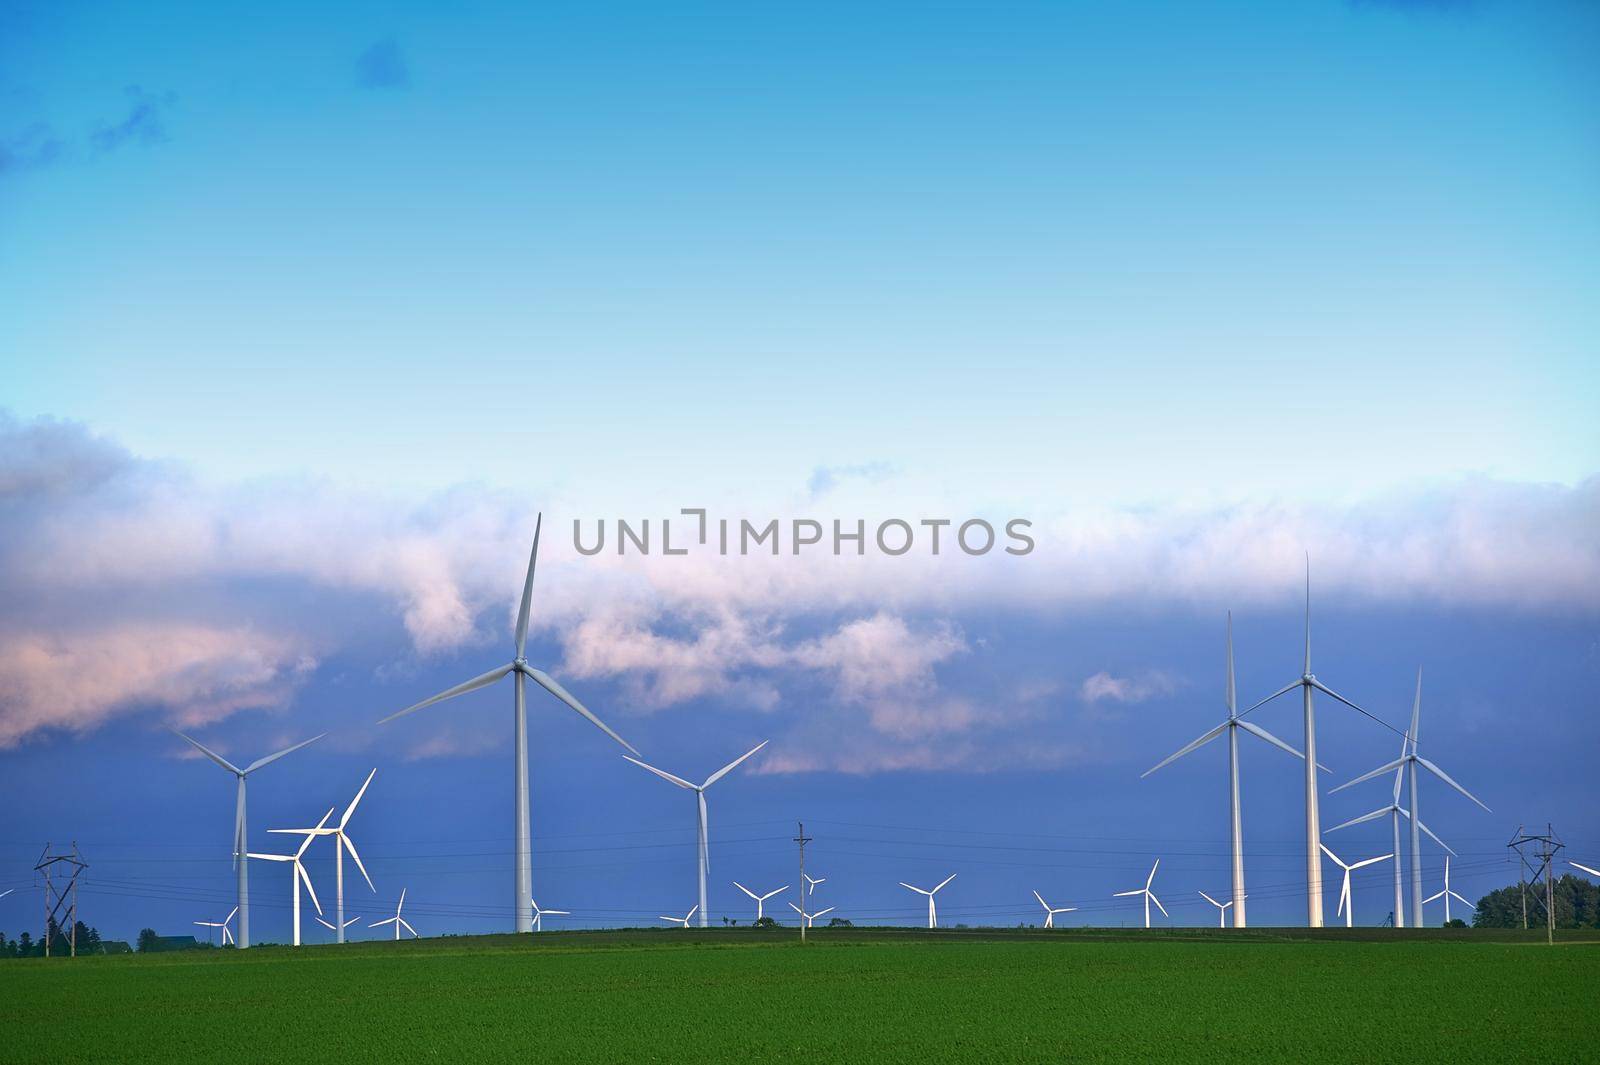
[802,839]
[1546,847]
[59,898]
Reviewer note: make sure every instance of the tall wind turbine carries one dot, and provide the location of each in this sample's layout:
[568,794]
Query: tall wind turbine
[1346,903]
[812,882]
[685,919]
[933,913]
[298,872]
[1222,910]
[341,843]
[1410,762]
[520,672]
[703,854]
[761,900]
[241,841]
[1231,726]
[1307,684]
[1051,911]
[1149,896]
[1446,894]
[227,933]
[538,916]
[809,917]
[398,921]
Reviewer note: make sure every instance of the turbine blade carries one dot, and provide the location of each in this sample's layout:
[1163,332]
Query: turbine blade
[348,810]
[943,882]
[1324,689]
[207,751]
[1372,861]
[692,911]
[380,924]
[1151,879]
[231,914]
[1373,816]
[1442,775]
[1463,901]
[1585,868]
[269,759]
[271,857]
[1120,894]
[819,913]
[1233,697]
[1332,855]
[545,681]
[1364,777]
[1287,688]
[797,909]
[326,925]
[744,889]
[1211,900]
[719,774]
[1430,898]
[918,890]
[663,774]
[407,926]
[306,877]
[240,844]
[350,845]
[527,591]
[1201,742]
[313,834]
[474,684]
[1423,825]
[1160,907]
[1261,733]
[1040,897]
[1416,710]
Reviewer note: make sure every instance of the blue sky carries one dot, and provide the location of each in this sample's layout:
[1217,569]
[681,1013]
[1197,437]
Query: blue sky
[308,314]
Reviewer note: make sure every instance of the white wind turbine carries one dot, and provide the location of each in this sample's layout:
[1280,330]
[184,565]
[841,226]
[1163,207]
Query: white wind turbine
[1446,894]
[520,672]
[341,843]
[1232,726]
[398,921]
[1346,903]
[538,916]
[685,919]
[1307,684]
[703,853]
[227,933]
[340,930]
[241,841]
[812,882]
[809,917]
[1222,910]
[761,900]
[298,872]
[933,913]
[1409,763]
[1149,896]
[1051,911]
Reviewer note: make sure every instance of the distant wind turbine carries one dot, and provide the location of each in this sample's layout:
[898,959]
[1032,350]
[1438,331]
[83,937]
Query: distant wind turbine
[520,672]
[1222,910]
[227,933]
[1149,896]
[1232,726]
[1410,762]
[241,839]
[1307,684]
[809,917]
[812,882]
[1346,903]
[1051,911]
[341,843]
[538,916]
[298,872]
[1446,894]
[703,853]
[340,930]
[398,921]
[685,919]
[933,913]
[761,900]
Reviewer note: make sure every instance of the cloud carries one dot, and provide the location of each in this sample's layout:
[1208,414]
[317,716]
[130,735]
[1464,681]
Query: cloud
[1103,687]
[383,66]
[144,123]
[825,479]
[33,148]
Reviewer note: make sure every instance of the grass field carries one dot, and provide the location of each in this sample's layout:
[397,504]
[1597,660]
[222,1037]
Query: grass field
[849,995]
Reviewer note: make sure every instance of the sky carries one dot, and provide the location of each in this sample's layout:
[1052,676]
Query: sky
[309,317]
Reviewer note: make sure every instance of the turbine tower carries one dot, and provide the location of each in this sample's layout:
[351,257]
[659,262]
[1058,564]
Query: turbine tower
[1409,762]
[298,872]
[1446,894]
[1051,911]
[1149,896]
[1231,726]
[761,900]
[1307,684]
[809,917]
[520,672]
[341,843]
[1346,903]
[538,916]
[685,919]
[227,933]
[398,921]
[933,913]
[241,842]
[703,853]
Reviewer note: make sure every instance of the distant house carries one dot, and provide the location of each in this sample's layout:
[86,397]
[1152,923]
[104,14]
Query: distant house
[116,946]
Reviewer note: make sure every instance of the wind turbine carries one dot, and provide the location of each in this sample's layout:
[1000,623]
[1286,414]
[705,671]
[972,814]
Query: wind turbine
[1051,911]
[1232,726]
[340,930]
[933,913]
[703,856]
[812,882]
[341,843]
[1409,763]
[298,872]
[1149,896]
[761,900]
[520,672]
[538,916]
[241,841]
[227,933]
[398,921]
[1346,903]
[1222,910]
[685,919]
[1446,894]
[809,917]
[1575,865]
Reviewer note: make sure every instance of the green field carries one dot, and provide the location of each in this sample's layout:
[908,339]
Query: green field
[848,995]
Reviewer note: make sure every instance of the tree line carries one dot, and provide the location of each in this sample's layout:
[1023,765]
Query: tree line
[1577,905]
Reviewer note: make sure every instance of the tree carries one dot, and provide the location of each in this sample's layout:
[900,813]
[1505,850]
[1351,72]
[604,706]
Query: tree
[25,945]
[840,922]
[765,922]
[1577,905]
[148,940]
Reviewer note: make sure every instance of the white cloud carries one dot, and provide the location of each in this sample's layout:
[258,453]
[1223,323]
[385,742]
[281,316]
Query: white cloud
[1103,687]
